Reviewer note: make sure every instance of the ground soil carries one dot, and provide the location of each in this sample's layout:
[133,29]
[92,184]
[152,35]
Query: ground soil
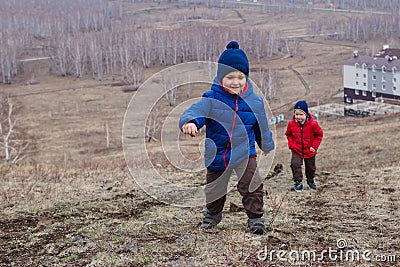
[73,201]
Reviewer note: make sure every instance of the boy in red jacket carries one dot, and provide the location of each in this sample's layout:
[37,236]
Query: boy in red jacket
[304,137]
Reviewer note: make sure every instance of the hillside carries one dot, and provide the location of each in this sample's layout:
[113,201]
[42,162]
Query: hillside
[74,202]
[120,226]
[98,216]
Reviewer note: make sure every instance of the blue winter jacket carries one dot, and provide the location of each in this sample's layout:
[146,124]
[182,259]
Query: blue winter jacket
[233,124]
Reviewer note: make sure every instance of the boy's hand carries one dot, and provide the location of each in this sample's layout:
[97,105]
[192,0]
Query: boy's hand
[312,149]
[190,128]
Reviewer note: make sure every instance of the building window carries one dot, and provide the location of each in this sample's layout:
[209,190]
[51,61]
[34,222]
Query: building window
[357,65]
[356,82]
[364,93]
[364,66]
[394,79]
[383,79]
[394,70]
[374,86]
[357,75]
[365,75]
[374,67]
[356,92]
[383,69]
[383,86]
[365,84]
[373,94]
[394,88]
[373,77]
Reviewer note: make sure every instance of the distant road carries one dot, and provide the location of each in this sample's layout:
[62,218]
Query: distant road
[301,78]
[339,10]
[33,59]
[333,34]
[310,7]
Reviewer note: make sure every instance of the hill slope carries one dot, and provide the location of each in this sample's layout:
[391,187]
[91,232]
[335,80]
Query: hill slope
[354,208]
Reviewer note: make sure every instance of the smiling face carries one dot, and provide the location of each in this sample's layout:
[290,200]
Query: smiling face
[234,81]
[300,116]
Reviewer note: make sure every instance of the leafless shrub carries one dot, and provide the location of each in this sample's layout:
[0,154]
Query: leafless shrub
[275,205]
[170,84]
[133,77]
[153,125]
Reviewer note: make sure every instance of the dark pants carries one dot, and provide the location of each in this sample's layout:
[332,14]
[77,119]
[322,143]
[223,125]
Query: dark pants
[250,187]
[296,166]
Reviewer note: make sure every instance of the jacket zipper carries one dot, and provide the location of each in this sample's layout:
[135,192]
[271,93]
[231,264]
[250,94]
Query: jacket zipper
[228,145]
[302,142]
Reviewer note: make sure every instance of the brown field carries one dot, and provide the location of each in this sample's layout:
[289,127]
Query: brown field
[73,202]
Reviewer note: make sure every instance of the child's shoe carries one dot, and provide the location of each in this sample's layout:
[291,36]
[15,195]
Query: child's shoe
[257,226]
[311,184]
[211,220]
[298,187]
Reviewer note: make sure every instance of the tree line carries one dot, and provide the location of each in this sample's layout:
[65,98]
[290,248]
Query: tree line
[96,38]
[96,44]
[360,28]
[99,54]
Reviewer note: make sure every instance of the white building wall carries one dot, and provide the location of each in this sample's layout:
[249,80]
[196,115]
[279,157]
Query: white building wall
[354,77]
[396,83]
[362,79]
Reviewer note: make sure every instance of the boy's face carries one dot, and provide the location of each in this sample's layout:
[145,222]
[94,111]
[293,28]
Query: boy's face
[300,116]
[234,81]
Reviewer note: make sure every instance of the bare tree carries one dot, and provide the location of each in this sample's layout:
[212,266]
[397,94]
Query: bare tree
[292,46]
[95,56]
[269,82]
[145,47]
[107,135]
[274,83]
[170,84]
[262,82]
[12,147]
[133,77]
[153,125]
[8,58]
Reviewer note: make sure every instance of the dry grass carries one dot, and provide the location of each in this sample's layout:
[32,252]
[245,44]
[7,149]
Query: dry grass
[75,204]
[34,187]
[132,229]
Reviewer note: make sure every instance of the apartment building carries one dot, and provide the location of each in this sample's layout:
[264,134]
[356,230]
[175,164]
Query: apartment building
[371,77]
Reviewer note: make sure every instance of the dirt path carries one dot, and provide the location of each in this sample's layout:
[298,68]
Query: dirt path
[301,78]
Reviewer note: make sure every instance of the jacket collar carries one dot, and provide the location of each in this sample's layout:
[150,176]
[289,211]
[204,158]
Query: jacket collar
[246,87]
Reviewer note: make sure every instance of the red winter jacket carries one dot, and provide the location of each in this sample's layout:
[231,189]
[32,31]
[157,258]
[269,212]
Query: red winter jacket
[302,137]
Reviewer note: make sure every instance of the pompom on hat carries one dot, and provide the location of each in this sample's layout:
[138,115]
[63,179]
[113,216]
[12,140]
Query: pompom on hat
[232,59]
[301,105]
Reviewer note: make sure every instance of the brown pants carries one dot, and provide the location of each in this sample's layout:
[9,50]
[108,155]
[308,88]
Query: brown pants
[296,166]
[250,187]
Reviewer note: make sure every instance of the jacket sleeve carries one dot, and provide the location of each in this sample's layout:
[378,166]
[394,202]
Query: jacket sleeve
[318,135]
[263,134]
[288,134]
[292,144]
[197,113]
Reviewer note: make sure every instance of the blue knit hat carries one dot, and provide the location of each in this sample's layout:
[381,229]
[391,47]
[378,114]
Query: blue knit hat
[232,59]
[301,105]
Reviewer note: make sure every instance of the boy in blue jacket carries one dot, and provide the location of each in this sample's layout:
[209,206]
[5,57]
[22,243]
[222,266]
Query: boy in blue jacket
[235,119]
